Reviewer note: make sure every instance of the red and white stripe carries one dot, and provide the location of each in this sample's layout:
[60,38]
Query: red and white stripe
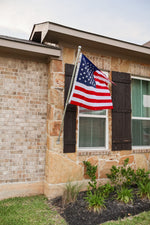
[93,98]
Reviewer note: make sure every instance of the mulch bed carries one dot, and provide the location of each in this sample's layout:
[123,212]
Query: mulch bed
[77,213]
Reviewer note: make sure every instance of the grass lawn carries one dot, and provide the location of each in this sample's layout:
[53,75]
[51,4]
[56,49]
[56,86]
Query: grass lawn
[28,211]
[140,219]
[35,210]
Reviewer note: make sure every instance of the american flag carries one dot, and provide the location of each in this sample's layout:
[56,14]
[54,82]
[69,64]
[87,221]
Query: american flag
[90,89]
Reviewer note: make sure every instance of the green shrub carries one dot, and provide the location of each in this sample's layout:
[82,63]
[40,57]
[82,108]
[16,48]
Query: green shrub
[126,176]
[96,202]
[95,195]
[91,172]
[142,176]
[105,189]
[125,195]
[144,189]
[122,176]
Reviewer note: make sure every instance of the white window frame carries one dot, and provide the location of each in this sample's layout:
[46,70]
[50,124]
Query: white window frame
[106,131]
[140,118]
[106,128]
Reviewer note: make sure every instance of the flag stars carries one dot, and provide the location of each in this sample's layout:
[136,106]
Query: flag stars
[86,70]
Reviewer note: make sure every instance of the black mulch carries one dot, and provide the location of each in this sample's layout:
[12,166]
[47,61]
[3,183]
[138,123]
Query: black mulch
[77,213]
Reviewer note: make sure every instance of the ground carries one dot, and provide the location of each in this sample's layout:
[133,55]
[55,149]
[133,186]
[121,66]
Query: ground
[77,213]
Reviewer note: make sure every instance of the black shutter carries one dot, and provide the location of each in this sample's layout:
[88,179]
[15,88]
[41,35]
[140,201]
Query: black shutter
[121,113]
[70,116]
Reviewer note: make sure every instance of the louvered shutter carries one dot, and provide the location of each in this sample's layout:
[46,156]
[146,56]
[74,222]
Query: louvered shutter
[121,113]
[70,116]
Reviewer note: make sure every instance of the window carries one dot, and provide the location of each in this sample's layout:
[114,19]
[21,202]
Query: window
[140,112]
[92,128]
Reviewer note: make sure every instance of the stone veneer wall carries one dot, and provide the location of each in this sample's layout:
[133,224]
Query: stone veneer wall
[61,167]
[31,107]
[23,115]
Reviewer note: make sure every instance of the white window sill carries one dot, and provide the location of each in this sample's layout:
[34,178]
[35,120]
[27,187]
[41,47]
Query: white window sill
[141,147]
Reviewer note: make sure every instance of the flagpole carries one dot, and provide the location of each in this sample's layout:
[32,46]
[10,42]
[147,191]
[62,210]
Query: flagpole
[68,96]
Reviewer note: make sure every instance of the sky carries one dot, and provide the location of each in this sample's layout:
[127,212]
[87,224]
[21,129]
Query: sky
[127,20]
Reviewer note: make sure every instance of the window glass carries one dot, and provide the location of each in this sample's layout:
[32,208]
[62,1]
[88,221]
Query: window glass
[145,99]
[140,112]
[92,112]
[91,132]
[141,132]
[136,97]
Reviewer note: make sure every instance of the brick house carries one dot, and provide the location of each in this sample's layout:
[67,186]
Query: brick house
[34,82]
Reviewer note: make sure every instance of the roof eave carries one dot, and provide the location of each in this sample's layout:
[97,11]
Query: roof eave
[28,48]
[55,33]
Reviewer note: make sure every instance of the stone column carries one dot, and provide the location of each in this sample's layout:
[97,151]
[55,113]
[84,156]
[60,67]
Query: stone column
[60,168]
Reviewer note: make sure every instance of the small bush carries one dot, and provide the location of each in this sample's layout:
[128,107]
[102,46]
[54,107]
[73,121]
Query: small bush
[95,195]
[105,189]
[125,195]
[144,190]
[142,176]
[91,172]
[122,176]
[95,201]
[126,176]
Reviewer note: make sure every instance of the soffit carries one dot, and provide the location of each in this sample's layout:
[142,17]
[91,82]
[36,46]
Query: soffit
[27,48]
[56,33]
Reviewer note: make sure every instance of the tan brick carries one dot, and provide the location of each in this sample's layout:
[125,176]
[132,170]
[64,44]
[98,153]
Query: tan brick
[72,156]
[68,55]
[54,190]
[131,159]
[59,80]
[106,63]
[49,143]
[21,189]
[51,80]
[147,155]
[141,161]
[61,169]
[58,113]
[54,128]
[56,66]
[122,153]
[124,66]
[104,169]
[115,64]
[50,112]
[56,98]
[24,110]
